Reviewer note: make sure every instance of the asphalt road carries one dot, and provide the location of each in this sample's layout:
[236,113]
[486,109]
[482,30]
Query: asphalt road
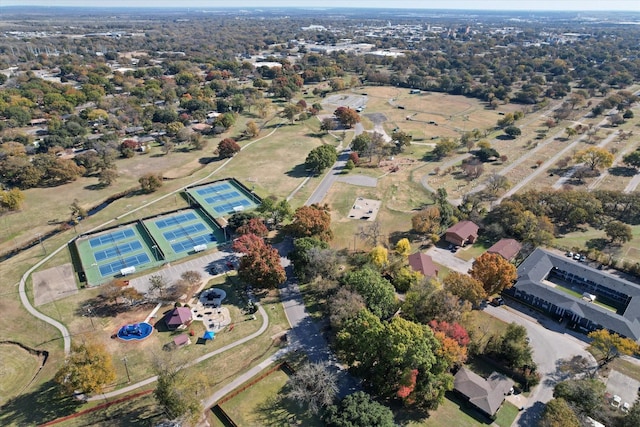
[551,343]
[336,170]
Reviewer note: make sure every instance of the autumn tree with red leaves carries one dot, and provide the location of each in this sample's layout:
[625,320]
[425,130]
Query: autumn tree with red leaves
[495,272]
[312,221]
[227,148]
[254,226]
[260,266]
[346,116]
[453,339]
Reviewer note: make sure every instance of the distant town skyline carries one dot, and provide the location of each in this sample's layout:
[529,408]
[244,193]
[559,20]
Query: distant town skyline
[540,5]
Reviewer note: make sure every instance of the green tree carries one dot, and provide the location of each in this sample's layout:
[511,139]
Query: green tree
[177,391]
[618,232]
[632,159]
[359,410]
[401,139]
[444,147]
[594,157]
[378,293]
[150,182]
[494,272]
[87,369]
[571,132]
[513,131]
[558,413]
[360,143]
[321,158]
[275,212]
[585,395]
[386,354]
[299,256]
[313,386]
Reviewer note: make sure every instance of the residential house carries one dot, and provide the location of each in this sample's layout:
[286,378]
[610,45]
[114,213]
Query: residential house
[462,233]
[423,263]
[507,248]
[485,395]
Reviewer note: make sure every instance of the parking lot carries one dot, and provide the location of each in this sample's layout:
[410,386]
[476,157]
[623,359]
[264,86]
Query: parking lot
[623,386]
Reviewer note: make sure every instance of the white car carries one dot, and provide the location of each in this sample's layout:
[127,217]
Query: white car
[615,402]
[625,407]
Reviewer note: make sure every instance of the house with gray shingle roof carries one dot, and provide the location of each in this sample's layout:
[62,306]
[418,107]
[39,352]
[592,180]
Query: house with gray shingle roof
[486,395]
[551,283]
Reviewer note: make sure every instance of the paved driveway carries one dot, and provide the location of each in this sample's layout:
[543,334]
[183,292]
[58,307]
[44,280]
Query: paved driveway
[450,260]
[551,343]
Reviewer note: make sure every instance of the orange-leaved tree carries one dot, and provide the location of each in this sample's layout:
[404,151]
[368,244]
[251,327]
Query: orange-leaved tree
[495,272]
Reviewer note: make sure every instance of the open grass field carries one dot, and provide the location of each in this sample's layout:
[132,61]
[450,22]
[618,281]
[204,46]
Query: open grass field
[17,368]
[264,404]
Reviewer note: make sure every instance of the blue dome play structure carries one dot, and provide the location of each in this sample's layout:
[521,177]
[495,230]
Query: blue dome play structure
[135,331]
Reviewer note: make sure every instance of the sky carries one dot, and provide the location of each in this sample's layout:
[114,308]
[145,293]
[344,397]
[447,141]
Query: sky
[606,5]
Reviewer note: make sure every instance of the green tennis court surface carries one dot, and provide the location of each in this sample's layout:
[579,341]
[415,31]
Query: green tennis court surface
[109,253]
[183,233]
[222,198]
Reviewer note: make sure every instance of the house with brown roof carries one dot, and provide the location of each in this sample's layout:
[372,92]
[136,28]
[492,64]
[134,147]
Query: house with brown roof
[485,395]
[462,233]
[506,248]
[423,263]
[178,318]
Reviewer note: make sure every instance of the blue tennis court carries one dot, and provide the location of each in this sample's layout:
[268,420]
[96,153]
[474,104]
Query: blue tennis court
[219,197]
[214,189]
[117,250]
[115,266]
[187,245]
[111,237]
[231,207]
[184,231]
[175,220]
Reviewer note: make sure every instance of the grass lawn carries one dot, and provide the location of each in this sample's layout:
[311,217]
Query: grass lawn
[452,412]
[18,367]
[506,414]
[481,326]
[470,252]
[264,404]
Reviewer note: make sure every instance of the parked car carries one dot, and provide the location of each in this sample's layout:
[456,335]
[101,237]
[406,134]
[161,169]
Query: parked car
[496,302]
[583,258]
[570,254]
[576,256]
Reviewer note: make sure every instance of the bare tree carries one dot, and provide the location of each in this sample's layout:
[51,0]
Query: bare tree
[371,233]
[313,386]
[496,182]
[158,285]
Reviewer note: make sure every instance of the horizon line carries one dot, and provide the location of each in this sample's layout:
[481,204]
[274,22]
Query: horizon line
[318,8]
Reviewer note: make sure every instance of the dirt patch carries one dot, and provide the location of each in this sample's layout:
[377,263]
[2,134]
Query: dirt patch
[394,165]
[53,284]
[366,209]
